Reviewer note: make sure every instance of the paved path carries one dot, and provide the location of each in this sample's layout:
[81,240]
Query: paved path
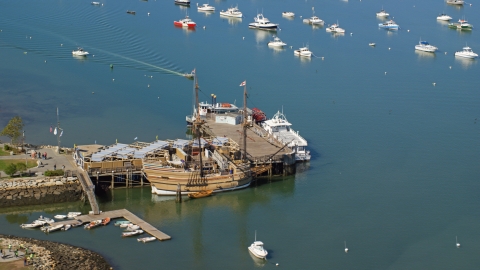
[10,255]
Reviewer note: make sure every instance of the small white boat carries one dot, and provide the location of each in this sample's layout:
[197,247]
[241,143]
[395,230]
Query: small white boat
[455,2]
[80,52]
[48,229]
[132,227]
[276,42]
[335,28]
[443,17]
[288,14]
[146,239]
[93,224]
[205,7]
[34,224]
[73,214]
[390,25]
[256,248]
[382,13]
[182,2]
[303,52]
[372,44]
[314,20]
[60,216]
[95,3]
[66,227]
[232,12]
[425,46]
[136,232]
[118,223]
[45,220]
[263,23]
[466,53]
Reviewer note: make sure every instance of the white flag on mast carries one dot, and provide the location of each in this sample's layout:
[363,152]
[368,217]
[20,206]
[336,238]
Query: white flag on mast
[55,131]
[243,83]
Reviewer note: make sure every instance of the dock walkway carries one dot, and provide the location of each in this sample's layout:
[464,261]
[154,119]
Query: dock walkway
[121,213]
[88,188]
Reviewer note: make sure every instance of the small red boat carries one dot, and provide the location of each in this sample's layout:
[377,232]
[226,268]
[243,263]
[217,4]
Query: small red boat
[258,115]
[187,22]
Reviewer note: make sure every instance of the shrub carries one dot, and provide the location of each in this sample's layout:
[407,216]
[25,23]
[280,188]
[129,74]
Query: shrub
[21,167]
[6,147]
[11,169]
[54,173]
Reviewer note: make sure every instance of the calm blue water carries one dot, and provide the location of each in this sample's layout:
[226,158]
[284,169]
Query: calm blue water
[395,165]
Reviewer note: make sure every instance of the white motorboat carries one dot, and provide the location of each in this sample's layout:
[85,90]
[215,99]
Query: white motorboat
[466,53]
[93,224]
[66,227]
[304,51]
[443,17]
[314,20]
[48,229]
[34,224]
[205,7]
[73,214]
[118,223]
[455,2]
[146,239]
[372,44]
[335,28]
[263,23]
[131,227]
[288,14]
[187,22]
[232,12]
[95,3]
[45,220]
[60,216]
[257,250]
[80,52]
[276,42]
[382,13]
[390,25]
[425,46]
[137,232]
[182,2]
[281,130]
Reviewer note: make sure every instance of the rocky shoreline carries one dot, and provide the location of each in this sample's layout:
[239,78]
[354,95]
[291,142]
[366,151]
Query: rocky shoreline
[51,255]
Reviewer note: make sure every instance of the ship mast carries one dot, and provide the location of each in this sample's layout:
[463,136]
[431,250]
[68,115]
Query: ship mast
[245,123]
[197,125]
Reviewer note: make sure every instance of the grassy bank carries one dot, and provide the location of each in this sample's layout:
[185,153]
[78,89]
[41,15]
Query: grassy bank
[5,162]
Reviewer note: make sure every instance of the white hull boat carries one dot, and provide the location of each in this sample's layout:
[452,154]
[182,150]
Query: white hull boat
[132,227]
[335,28]
[232,12]
[52,228]
[257,250]
[162,192]
[205,7]
[314,20]
[466,53]
[263,23]
[34,224]
[455,2]
[95,3]
[443,17]
[182,2]
[127,234]
[66,227]
[73,214]
[60,216]
[425,47]
[118,223]
[382,14]
[45,220]
[79,52]
[146,239]
[288,14]
[276,42]
[304,52]
[390,25]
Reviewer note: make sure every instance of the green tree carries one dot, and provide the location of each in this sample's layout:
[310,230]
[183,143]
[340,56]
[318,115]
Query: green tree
[13,129]
[11,169]
[21,167]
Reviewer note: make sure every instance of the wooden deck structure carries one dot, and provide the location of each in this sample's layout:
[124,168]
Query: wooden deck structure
[121,213]
[88,188]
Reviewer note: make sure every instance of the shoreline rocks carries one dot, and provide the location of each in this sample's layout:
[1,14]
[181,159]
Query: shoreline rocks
[39,190]
[52,255]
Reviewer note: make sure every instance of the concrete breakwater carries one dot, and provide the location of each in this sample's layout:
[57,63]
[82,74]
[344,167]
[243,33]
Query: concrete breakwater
[39,190]
[52,255]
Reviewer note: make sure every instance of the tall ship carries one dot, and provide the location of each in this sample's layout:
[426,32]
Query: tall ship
[191,166]
[281,129]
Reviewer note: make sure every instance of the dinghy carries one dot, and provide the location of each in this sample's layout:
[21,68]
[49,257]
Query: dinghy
[146,239]
[60,216]
[52,228]
[200,194]
[132,227]
[118,223]
[136,232]
[73,214]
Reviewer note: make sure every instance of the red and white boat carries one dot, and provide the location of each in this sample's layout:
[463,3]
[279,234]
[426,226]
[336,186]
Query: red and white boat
[187,22]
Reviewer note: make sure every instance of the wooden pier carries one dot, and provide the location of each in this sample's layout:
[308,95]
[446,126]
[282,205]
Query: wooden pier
[88,188]
[122,213]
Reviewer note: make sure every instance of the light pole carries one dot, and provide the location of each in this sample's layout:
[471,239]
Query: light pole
[25,150]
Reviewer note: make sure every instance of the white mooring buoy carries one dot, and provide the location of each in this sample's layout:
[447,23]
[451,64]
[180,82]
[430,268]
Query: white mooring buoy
[456,240]
[346,249]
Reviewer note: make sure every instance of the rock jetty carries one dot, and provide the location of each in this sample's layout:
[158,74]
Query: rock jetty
[39,190]
[51,255]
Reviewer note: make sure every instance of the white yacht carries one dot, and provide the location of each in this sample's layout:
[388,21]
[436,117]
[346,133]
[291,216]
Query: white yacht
[232,12]
[443,17]
[263,23]
[276,42]
[382,13]
[205,7]
[455,2]
[288,14]
[305,52]
[256,248]
[80,52]
[426,47]
[390,25]
[280,128]
[314,20]
[335,28]
[466,53]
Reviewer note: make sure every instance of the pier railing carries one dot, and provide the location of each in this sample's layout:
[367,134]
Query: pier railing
[102,171]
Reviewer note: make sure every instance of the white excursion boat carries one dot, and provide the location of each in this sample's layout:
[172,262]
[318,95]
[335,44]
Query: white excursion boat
[276,42]
[425,46]
[466,53]
[205,7]
[232,12]
[390,25]
[34,224]
[182,2]
[48,229]
[304,51]
[146,239]
[335,28]
[73,214]
[443,17]
[137,232]
[187,22]
[455,2]
[288,14]
[257,250]
[263,23]
[80,52]
[60,216]
[382,13]
[279,127]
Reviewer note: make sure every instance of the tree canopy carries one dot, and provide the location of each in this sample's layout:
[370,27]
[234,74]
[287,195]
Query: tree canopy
[13,129]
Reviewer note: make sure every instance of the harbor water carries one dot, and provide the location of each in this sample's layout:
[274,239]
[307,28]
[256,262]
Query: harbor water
[393,132]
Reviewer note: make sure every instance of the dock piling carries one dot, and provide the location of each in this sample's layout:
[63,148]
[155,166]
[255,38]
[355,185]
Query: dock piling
[179,194]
